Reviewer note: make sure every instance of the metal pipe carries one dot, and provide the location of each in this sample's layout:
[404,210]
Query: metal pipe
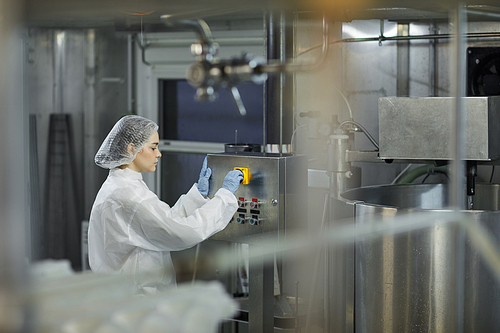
[265,27]
[416,37]
[458,140]
[368,135]
[59,66]
[90,122]
[200,27]
[458,186]
[403,61]
[143,51]
[383,38]
[130,74]
[282,44]
[432,63]
[278,87]
[223,42]
[292,67]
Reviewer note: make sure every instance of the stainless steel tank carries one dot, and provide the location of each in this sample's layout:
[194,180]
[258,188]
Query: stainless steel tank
[406,282]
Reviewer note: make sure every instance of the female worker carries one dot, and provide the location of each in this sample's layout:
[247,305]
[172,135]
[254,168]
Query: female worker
[131,231]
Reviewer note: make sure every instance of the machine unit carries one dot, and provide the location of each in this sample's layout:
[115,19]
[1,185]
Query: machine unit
[273,201]
[420,128]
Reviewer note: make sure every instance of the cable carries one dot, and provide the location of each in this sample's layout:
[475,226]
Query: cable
[400,174]
[341,94]
[410,176]
[433,172]
[425,178]
[293,134]
[492,172]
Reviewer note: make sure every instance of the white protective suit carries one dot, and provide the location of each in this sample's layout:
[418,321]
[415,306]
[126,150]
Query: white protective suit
[131,231]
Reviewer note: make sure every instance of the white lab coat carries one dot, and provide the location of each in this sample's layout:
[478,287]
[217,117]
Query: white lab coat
[131,231]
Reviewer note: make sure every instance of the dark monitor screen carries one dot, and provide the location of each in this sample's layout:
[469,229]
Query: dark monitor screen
[182,117]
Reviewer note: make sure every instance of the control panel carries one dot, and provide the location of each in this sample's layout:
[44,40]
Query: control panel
[271,198]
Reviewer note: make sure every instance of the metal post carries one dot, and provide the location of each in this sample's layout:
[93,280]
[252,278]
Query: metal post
[279,123]
[458,180]
[282,58]
[338,260]
[433,63]
[260,293]
[403,64]
[458,117]
[90,125]
[59,62]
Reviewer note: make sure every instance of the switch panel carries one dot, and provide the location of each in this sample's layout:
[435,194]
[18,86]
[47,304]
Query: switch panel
[272,201]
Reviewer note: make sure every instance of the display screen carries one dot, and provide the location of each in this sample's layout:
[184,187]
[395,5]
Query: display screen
[182,117]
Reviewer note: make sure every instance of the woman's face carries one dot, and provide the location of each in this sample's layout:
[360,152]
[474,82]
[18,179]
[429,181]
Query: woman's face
[147,158]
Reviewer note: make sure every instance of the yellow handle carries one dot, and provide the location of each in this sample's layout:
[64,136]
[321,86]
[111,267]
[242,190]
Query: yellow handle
[246,175]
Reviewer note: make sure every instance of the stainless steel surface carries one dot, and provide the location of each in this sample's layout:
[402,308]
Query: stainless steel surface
[363,156]
[403,58]
[273,202]
[275,179]
[318,179]
[407,283]
[420,128]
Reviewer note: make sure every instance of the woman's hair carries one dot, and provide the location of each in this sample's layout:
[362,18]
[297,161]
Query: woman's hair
[124,141]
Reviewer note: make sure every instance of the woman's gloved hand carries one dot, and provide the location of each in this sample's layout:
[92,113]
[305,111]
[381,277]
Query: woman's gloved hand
[232,180]
[204,177]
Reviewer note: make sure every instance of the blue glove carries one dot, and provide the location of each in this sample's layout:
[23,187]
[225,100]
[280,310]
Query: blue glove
[232,180]
[204,177]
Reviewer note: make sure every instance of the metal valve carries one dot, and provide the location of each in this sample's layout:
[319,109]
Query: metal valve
[208,75]
[241,220]
[255,221]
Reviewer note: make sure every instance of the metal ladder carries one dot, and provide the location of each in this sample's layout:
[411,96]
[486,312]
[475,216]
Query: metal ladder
[62,207]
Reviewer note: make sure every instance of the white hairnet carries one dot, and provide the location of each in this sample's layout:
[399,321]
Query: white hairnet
[114,150]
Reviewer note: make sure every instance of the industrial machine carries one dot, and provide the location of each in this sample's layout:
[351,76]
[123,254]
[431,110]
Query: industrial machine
[413,280]
[409,279]
[272,202]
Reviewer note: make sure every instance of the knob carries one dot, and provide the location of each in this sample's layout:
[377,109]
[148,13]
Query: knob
[242,202]
[254,221]
[255,203]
